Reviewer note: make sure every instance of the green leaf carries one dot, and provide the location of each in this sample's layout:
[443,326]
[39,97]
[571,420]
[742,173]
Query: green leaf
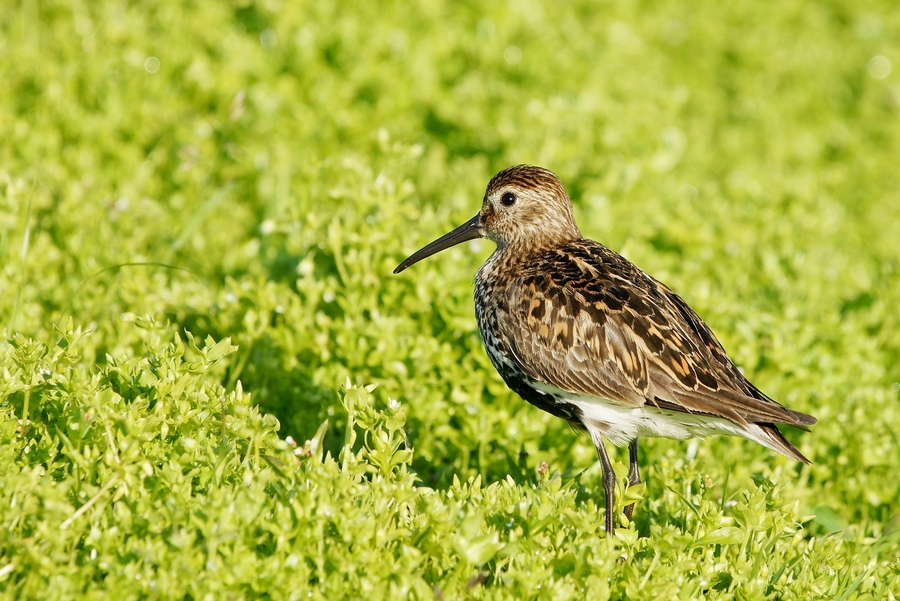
[830,519]
[727,535]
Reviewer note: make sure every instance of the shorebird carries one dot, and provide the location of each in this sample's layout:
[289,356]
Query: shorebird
[579,331]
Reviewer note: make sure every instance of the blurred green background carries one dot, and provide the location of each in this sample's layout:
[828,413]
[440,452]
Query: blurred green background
[255,170]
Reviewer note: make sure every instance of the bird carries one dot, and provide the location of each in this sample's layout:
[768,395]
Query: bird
[581,332]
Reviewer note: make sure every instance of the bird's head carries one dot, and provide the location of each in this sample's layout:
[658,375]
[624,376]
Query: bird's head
[523,206]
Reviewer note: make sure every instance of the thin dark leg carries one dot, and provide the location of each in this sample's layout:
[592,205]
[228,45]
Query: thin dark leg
[634,474]
[609,480]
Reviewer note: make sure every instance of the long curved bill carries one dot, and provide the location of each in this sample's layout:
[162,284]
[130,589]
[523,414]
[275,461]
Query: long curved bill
[470,230]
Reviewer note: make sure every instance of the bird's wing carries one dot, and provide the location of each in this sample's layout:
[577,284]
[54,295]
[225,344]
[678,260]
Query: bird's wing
[587,321]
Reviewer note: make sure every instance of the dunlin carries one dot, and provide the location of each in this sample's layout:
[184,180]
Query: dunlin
[579,331]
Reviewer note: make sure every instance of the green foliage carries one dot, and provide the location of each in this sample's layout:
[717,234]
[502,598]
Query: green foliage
[146,478]
[248,174]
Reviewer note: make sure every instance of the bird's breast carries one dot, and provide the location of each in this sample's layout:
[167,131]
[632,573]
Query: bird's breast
[492,311]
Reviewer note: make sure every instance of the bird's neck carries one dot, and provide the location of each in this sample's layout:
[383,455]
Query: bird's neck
[513,257]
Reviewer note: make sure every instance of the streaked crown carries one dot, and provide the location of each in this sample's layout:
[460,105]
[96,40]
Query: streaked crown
[527,205]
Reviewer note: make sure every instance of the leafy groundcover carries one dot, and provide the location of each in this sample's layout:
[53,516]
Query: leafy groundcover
[212,387]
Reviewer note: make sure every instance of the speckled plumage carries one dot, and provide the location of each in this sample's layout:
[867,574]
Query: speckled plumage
[579,331]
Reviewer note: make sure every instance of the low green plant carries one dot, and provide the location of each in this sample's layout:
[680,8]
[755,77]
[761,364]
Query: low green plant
[147,478]
[201,204]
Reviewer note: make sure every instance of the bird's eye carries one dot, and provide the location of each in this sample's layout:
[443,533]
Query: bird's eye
[508,199]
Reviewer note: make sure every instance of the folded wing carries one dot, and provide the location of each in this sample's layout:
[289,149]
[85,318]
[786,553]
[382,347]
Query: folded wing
[588,321]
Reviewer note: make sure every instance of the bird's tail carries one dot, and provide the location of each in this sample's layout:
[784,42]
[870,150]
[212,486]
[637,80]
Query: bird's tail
[770,436]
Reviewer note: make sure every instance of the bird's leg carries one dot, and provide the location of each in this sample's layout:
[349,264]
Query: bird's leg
[609,479]
[634,474]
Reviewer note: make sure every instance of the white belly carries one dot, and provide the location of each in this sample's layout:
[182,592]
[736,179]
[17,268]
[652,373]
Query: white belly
[621,423]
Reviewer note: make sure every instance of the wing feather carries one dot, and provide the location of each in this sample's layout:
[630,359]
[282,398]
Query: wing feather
[589,322]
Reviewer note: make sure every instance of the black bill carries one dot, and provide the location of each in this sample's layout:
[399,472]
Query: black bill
[470,230]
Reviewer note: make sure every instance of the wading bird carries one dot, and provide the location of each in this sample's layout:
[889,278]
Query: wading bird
[579,331]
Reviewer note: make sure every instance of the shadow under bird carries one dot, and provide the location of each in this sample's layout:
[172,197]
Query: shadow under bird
[579,331]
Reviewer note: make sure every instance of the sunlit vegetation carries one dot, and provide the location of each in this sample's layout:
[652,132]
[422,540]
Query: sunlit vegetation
[200,207]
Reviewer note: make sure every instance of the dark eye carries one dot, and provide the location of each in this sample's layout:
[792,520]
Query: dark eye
[508,199]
